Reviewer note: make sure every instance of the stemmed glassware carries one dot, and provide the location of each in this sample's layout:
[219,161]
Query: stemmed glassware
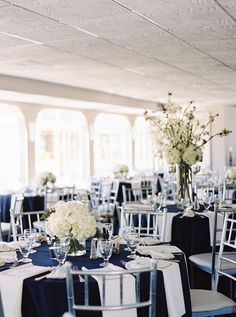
[61,250]
[107,229]
[161,199]
[126,231]
[132,242]
[31,234]
[105,248]
[25,245]
[208,199]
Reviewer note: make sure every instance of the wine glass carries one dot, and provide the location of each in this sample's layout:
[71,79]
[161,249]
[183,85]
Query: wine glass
[132,242]
[125,232]
[61,250]
[107,230]
[25,245]
[208,199]
[31,234]
[105,248]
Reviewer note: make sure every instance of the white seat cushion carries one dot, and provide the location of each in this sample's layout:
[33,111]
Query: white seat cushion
[204,261]
[5,227]
[205,300]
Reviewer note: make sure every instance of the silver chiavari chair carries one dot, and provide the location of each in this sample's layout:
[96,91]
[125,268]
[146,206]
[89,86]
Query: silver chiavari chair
[122,279]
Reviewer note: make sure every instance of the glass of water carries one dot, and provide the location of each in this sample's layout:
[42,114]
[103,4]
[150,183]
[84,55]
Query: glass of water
[105,248]
[25,245]
[61,250]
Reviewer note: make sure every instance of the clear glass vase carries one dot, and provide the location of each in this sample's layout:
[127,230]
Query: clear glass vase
[77,247]
[184,183]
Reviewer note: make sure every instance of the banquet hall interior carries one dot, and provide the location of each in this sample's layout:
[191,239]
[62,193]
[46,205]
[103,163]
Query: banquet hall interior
[117,128]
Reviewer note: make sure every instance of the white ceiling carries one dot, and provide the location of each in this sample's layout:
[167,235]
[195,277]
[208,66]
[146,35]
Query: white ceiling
[137,49]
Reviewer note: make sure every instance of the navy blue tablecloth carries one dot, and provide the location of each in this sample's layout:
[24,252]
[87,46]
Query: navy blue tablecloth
[47,298]
[191,234]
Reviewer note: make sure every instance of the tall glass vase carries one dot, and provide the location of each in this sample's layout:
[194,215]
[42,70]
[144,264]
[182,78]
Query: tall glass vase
[184,182]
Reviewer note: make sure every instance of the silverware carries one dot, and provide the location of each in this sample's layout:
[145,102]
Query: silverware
[42,277]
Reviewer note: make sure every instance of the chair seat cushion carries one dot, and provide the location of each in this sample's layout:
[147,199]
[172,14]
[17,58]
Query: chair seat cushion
[204,261]
[5,227]
[205,300]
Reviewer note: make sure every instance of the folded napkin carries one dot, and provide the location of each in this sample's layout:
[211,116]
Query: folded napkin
[172,283]
[173,289]
[11,284]
[220,221]
[8,256]
[8,246]
[112,292]
[159,251]
[59,273]
[189,212]
[149,241]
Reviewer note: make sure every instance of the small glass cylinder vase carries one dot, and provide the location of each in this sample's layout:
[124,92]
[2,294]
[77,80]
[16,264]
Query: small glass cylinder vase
[77,247]
[184,182]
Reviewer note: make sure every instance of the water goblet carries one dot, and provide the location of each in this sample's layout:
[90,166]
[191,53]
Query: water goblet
[61,250]
[25,245]
[107,230]
[31,234]
[105,248]
[132,242]
[125,232]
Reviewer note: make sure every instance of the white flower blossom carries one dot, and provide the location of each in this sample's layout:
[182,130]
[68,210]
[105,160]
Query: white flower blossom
[45,177]
[72,219]
[231,173]
[182,136]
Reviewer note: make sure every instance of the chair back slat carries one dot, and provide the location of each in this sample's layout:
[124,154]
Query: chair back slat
[122,277]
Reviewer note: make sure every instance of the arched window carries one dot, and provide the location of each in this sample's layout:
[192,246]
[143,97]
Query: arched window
[13,144]
[143,153]
[112,143]
[62,145]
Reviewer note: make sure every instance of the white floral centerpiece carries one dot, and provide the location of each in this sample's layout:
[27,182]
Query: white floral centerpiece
[120,169]
[71,219]
[45,177]
[231,173]
[181,137]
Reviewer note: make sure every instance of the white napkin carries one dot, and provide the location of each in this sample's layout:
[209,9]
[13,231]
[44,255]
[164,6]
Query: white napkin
[59,273]
[173,289]
[159,251]
[149,241]
[8,256]
[112,294]
[8,246]
[220,222]
[172,283]
[189,212]
[11,284]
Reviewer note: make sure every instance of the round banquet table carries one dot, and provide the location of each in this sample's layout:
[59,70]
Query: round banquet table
[47,297]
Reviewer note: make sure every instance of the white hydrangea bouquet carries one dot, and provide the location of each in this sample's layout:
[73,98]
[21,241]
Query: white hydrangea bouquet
[181,137]
[71,219]
[231,173]
[45,177]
